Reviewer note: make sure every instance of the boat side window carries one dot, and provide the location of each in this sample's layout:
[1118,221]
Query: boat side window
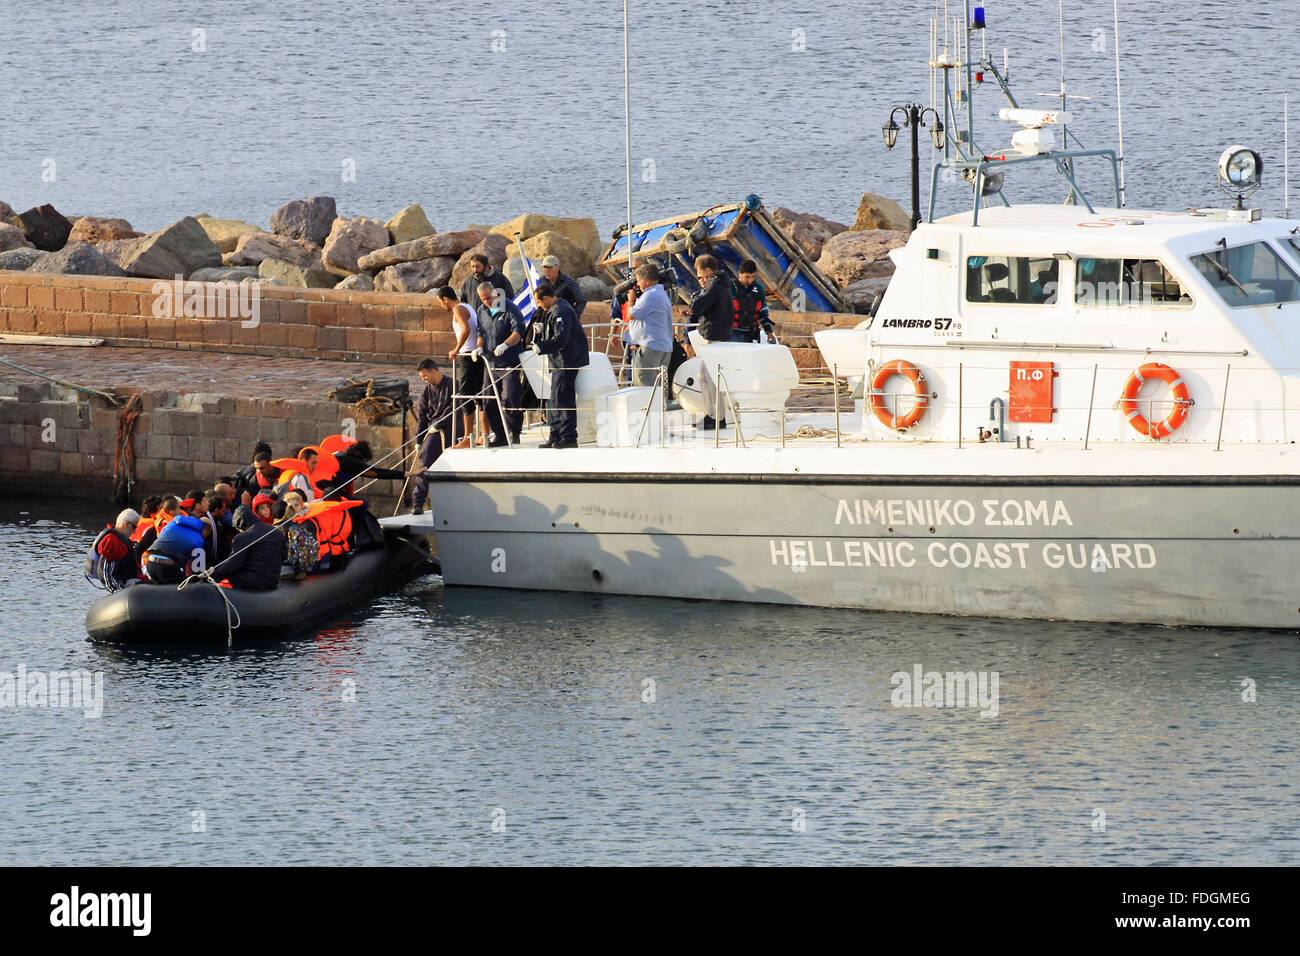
[1143,283]
[1021,280]
[1253,274]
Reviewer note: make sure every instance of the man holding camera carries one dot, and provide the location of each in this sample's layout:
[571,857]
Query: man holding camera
[649,335]
[560,336]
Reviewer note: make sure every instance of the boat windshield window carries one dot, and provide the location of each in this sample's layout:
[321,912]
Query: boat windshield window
[1141,283]
[1023,280]
[1253,274]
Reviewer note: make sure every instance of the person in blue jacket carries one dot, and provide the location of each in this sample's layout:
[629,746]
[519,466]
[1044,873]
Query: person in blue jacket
[560,337]
[179,551]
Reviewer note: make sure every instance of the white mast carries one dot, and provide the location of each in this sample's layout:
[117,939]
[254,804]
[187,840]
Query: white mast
[627,131]
[1119,109]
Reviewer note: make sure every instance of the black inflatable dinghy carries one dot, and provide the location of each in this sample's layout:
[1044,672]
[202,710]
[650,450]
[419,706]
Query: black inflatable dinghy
[165,614]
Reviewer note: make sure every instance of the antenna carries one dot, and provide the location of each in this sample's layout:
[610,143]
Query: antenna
[1119,109]
[1286,155]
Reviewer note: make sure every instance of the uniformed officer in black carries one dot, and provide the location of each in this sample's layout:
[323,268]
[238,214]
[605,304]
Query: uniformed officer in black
[500,340]
[560,336]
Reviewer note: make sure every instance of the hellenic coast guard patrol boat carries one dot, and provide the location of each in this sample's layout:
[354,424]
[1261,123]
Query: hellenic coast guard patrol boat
[1079,412]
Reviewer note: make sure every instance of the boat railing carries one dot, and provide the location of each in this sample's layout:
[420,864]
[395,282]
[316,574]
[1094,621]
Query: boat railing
[983,419]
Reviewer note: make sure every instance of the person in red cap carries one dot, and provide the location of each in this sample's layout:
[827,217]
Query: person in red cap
[262,508]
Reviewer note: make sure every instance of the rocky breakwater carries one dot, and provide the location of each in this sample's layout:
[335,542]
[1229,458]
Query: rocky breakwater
[309,245]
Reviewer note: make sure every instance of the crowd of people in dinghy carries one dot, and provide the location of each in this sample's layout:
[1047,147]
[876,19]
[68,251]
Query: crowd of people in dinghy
[273,519]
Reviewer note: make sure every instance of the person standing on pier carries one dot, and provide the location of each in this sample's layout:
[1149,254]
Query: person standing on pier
[713,312]
[560,336]
[500,340]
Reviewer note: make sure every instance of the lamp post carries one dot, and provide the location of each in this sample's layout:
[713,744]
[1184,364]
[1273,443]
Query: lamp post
[914,119]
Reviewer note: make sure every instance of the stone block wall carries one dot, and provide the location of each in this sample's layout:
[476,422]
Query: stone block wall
[57,441]
[291,322]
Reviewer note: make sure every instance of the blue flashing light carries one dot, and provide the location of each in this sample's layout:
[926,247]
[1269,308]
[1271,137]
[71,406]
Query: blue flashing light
[978,16]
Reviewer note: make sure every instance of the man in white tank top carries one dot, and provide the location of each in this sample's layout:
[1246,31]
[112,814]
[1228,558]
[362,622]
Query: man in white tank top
[467,373]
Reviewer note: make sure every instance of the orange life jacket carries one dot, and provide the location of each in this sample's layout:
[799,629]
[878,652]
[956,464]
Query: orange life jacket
[333,524]
[144,525]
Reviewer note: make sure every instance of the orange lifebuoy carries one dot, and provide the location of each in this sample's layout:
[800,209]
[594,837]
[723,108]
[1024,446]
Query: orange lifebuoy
[922,397]
[1182,400]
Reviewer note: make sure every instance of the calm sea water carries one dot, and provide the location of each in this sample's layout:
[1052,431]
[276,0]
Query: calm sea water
[529,710]
[153,110]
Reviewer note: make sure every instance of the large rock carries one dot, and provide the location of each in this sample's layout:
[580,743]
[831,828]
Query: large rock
[862,293]
[595,289]
[44,227]
[349,240]
[443,244]
[253,247]
[307,219]
[513,270]
[361,282]
[19,260]
[95,229]
[808,231]
[115,250]
[292,274]
[11,237]
[178,249]
[6,211]
[409,224]
[877,212]
[582,231]
[224,274]
[852,256]
[226,233]
[575,259]
[78,259]
[494,246]
[418,276]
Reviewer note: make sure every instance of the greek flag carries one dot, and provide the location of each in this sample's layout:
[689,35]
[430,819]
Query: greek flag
[524,300]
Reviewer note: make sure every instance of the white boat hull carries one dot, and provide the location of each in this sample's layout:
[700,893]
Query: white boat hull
[1176,549]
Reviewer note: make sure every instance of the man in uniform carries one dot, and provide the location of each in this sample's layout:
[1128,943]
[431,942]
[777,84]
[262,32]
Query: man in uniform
[500,340]
[560,336]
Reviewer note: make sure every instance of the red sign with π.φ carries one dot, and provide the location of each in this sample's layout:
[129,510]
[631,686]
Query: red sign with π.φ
[1031,392]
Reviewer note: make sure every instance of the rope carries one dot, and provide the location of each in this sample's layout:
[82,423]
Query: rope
[206,575]
[113,400]
[124,457]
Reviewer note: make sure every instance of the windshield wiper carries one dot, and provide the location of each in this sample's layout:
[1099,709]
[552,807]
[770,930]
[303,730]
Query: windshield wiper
[1223,271]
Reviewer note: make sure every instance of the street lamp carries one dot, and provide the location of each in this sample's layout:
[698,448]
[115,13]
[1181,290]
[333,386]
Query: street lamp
[914,119]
